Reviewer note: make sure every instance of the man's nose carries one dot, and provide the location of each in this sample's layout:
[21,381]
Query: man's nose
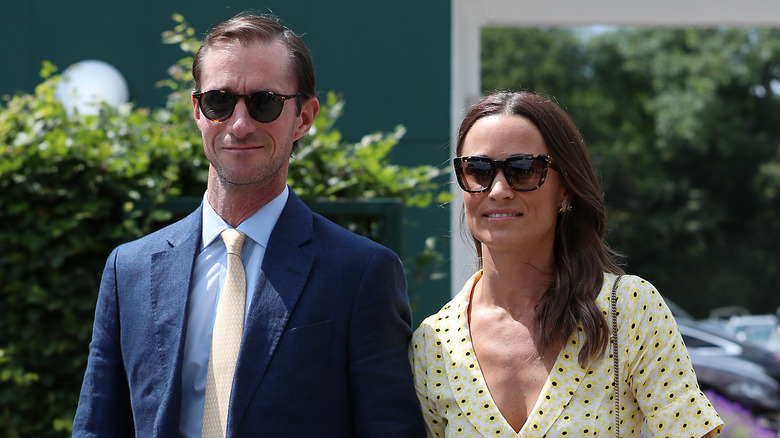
[241,122]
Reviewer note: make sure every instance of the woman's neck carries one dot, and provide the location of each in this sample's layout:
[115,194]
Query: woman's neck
[515,284]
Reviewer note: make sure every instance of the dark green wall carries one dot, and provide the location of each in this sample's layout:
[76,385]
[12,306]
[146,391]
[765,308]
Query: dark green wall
[389,60]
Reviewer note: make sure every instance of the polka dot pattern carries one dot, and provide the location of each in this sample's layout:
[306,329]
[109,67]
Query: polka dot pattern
[657,380]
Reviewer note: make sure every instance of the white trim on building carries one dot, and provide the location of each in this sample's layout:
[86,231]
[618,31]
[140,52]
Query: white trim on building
[470,16]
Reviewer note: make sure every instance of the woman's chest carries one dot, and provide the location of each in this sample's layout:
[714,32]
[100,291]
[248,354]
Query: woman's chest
[514,370]
[475,391]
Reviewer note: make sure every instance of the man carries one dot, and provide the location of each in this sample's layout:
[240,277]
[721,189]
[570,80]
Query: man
[322,350]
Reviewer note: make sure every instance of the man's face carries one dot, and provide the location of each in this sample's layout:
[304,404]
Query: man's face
[240,149]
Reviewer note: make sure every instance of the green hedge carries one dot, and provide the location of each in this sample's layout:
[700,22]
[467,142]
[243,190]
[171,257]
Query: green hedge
[71,187]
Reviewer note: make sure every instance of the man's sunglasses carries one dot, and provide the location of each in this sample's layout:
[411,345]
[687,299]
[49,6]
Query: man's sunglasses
[522,172]
[263,106]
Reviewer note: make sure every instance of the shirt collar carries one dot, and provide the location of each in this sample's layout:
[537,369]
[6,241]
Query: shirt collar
[257,227]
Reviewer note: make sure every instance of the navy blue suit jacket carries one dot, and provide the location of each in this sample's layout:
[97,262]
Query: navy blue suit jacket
[323,352]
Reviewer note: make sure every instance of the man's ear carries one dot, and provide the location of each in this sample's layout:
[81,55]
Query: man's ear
[195,107]
[309,110]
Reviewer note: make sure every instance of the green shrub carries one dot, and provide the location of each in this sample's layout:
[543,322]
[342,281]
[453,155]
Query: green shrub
[71,191]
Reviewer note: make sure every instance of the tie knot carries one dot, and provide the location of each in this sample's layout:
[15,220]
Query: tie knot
[234,240]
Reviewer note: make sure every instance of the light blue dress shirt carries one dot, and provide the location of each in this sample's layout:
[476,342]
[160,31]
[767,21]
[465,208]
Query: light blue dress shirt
[208,276]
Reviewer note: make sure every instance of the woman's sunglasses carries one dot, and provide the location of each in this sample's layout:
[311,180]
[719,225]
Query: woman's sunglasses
[263,106]
[522,172]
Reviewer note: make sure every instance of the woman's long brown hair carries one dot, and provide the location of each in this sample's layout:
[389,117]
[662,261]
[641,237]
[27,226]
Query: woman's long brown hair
[581,254]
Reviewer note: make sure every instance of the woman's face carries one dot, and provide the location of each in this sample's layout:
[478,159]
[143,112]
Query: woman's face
[502,218]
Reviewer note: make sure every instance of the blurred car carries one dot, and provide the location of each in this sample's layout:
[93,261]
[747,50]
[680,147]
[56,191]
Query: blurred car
[677,311]
[710,338]
[722,339]
[757,329]
[737,370]
[738,380]
[724,313]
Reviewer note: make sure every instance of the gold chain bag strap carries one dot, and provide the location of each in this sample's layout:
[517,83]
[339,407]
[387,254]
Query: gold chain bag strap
[616,365]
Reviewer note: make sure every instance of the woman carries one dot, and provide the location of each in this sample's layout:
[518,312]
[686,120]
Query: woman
[524,349]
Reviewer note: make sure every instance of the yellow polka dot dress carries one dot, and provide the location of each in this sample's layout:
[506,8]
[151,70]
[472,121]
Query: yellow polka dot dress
[657,380]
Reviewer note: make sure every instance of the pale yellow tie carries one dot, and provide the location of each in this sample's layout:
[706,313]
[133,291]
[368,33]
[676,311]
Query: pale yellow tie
[225,339]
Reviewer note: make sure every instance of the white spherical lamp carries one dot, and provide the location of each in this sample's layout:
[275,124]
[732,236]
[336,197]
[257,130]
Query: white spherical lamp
[85,84]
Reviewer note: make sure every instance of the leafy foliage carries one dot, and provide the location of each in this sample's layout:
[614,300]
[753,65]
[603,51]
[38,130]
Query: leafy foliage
[326,167]
[75,187]
[683,126]
[69,185]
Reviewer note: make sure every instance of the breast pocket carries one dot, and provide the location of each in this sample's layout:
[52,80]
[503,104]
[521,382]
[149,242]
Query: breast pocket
[308,335]
[310,347]
[308,357]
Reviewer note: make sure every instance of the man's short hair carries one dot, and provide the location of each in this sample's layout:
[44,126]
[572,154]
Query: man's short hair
[246,29]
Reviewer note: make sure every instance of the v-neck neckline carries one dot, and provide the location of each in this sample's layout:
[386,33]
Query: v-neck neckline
[564,378]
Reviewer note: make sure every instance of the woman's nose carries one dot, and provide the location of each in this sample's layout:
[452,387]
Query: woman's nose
[501,187]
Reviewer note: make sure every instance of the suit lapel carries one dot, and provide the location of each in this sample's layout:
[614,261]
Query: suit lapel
[285,270]
[171,272]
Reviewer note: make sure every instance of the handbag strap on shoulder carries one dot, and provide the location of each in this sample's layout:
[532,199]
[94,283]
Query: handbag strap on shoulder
[616,365]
